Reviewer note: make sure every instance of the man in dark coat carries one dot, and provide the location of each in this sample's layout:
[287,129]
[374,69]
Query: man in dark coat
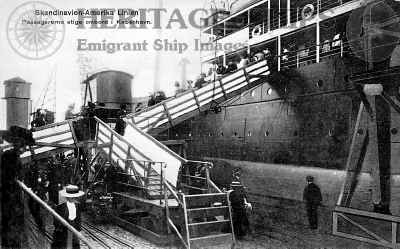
[239,205]
[70,210]
[312,197]
[12,209]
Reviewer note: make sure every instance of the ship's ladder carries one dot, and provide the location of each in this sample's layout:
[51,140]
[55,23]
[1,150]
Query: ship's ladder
[164,175]
[175,110]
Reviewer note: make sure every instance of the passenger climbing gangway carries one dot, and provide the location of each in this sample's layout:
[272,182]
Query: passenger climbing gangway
[173,111]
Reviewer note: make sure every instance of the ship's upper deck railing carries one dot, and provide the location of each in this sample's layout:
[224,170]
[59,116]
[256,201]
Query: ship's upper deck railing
[277,24]
[277,19]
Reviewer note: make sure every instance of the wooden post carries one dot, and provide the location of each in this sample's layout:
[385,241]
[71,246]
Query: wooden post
[279,52]
[165,199]
[279,14]
[185,213]
[394,233]
[110,148]
[269,16]
[288,12]
[355,158]
[318,38]
[373,149]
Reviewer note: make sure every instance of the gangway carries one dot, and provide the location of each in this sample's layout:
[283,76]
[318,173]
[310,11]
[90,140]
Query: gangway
[49,140]
[172,111]
[185,200]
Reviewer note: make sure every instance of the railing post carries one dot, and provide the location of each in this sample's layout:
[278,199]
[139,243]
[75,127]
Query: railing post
[161,182]
[334,222]
[288,12]
[111,146]
[341,48]
[318,39]
[186,220]
[394,233]
[269,16]
[208,178]
[165,199]
[279,52]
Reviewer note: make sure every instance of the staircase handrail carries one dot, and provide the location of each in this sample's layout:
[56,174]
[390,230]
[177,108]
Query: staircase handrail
[54,214]
[172,108]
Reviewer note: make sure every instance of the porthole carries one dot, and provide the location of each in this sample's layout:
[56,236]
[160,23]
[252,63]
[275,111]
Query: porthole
[269,91]
[266,134]
[320,83]
[394,131]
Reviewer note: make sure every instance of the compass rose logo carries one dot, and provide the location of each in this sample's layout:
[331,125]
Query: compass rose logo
[34,36]
[373,31]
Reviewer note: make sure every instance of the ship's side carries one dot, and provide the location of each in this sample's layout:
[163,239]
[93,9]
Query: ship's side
[300,121]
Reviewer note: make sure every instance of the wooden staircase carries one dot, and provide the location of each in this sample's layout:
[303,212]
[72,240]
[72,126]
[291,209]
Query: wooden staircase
[206,210]
[196,210]
[208,220]
[154,186]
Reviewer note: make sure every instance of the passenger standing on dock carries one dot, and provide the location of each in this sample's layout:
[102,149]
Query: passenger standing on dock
[313,198]
[239,205]
[71,212]
[12,209]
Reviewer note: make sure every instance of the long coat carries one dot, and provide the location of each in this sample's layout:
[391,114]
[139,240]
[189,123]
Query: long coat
[312,195]
[12,209]
[61,232]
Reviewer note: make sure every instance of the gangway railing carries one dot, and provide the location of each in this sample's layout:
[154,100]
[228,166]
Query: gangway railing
[375,228]
[188,104]
[39,218]
[150,183]
[50,139]
[137,147]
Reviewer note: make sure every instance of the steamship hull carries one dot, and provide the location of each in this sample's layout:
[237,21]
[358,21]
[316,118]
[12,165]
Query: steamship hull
[278,133]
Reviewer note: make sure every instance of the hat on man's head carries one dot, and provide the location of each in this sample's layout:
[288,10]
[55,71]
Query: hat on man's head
[16,134]
[310,178]
[72,191]
[236,184]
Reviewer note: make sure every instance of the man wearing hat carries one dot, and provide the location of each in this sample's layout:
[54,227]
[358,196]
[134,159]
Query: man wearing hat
[239,205]
[312,197]
[11,170]
[71,212]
